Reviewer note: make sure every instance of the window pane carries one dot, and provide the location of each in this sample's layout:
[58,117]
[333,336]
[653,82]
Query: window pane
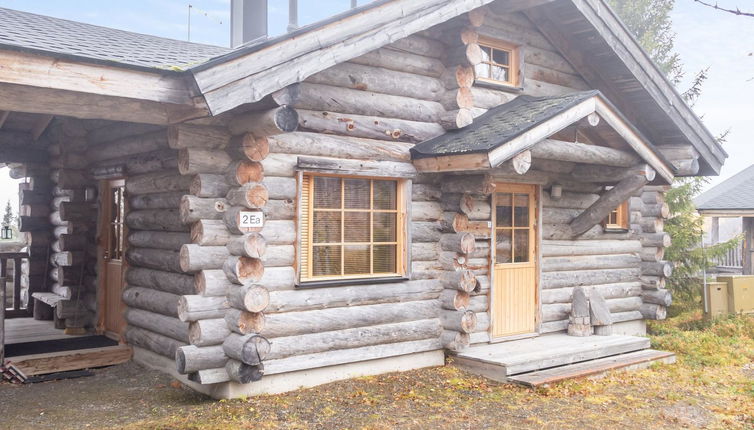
[384,259]
[356,227]
[521,251]
[326,226]
[385,227]
[482,70]
[385,194]
[356,259]
[326,192]
[504,210]
[500,73]
[503,246]
[356,194]
[486,53]
[521,204]
[326,261]
[501,57]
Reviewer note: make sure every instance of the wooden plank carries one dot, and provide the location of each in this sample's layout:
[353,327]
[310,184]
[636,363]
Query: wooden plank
[39,364]
[633,360]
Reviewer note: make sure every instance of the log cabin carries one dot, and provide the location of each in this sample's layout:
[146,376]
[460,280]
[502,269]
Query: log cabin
[402,182]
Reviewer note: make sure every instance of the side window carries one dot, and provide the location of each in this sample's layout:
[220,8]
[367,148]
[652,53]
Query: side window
[618,218]
[351,227]
[500,63]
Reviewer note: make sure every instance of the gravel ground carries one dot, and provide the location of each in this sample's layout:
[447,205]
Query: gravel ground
[114,396]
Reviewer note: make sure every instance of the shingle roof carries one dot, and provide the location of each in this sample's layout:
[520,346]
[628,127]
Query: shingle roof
[736,192]
[32,32]
[499,125]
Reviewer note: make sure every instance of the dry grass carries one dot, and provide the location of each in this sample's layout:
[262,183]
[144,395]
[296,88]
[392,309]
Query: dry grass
[712,386]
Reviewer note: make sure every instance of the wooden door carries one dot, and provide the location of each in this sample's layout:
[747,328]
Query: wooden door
[112,248]
[514,297]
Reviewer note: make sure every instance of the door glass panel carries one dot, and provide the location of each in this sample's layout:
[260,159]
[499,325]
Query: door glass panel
[503,247]
[504,210]
[115,240]
[521,247]
[521,211]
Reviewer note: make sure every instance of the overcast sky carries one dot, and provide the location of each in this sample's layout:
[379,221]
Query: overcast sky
[706,38]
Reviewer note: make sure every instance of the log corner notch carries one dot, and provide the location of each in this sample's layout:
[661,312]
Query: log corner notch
[610,199]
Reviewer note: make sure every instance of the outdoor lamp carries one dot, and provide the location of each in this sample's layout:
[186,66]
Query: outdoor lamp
[6,232]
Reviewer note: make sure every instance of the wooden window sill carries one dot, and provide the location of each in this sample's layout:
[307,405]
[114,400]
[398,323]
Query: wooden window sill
[502,86]
[351,282]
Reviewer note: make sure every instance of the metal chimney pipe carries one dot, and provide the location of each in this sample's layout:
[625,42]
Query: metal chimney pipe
[248,21]
[292,15]
[353,4]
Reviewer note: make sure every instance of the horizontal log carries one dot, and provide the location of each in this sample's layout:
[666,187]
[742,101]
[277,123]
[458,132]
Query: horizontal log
[154,342]
[462,280]
[270,122]
[242,270]
[324,298]
[208,232]
[562,248]
[243,373]
[252,245]
[250,195]
[250,349]
[159,259]
[191,358]
[166,200]
[250,147]
[657,297]
[590,262]
[156,220]
[168,282]
[250,298]
[211,283]
[363,167]
[194,258]
[283,347]
[315,144]
[369,127]
[195,160]
[193,209]
[550,149]
[315,321]
[243,322]
[151,300]
[196,307]
[661,268]
[477,184]
[652,311]
[607,291]
[659,240]
[401,61]
[158,182]
[158,239]
[279,256]
[454,300]
[207,332]
[454,341]
[158,323]
[588,277]
[461,321]
[209,185]
[242,172]
[652,282]
[197,136]
[660,210]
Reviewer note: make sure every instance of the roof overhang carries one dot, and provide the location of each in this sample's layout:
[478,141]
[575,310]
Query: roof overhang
[36,83]
[726,212]
[505,150]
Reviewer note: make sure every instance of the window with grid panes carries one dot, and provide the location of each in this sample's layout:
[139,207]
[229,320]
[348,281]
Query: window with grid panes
[499,62]
[617,219]
[351,227]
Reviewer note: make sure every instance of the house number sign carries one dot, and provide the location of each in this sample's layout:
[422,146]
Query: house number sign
[252,219]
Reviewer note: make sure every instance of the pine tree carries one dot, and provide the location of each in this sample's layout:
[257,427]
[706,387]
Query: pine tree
[8,214]
[649,20]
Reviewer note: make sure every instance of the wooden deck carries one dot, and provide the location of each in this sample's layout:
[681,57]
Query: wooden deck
[571,356]
[20,330]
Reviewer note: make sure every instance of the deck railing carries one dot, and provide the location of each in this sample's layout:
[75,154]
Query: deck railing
[733,259]
[17,300]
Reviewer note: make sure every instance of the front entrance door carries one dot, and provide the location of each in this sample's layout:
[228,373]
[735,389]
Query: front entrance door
[514,295]
[112,244]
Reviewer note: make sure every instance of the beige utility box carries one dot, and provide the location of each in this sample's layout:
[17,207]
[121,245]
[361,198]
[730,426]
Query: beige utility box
[717,299]
[740,293]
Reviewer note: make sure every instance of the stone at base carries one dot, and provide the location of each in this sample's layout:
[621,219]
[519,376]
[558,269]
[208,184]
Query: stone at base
[283,382]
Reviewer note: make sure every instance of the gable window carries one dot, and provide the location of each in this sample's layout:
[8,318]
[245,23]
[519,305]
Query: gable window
[500,63]
[618,218]
[351,227]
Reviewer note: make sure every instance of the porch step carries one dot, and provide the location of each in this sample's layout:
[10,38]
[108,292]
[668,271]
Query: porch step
[631,361]
[62,361]
[501,360]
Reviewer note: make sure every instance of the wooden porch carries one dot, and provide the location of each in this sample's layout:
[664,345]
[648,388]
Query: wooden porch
[49,352]
[552,358]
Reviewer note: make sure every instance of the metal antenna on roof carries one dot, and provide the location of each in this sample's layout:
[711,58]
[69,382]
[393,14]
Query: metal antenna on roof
[189,22]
